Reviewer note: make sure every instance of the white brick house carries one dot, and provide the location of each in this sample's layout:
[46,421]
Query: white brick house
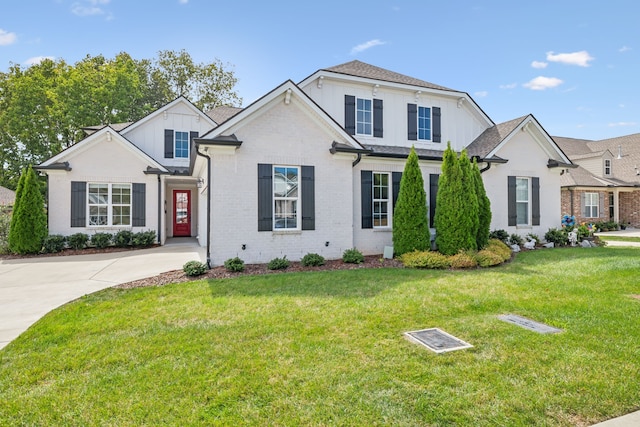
[316,166]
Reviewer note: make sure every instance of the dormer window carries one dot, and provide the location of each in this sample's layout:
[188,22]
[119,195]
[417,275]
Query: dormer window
[607,167]
[182,145]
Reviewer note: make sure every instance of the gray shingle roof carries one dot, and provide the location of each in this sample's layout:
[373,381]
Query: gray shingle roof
[573,146]
[492,137]
[7,197]
[223,113]
[360,69]
[402,152]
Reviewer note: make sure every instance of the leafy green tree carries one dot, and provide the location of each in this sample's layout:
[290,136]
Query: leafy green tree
[484,209]
[44,107]
[450,237]
[469,220]
[29,221]
[410,215]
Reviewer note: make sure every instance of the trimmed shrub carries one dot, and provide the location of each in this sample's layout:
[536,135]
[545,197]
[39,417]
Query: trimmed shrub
[463,259]
[235,265]
[278,263]
[484,208]
[410,213]
[54,243]
[516,239]
[557,237]
[123,238]
[352,256]
[499,248]
[488,258]
[425,259]
[312,260]
[194,268]
[5,222]
[501,235]
[144,238]
[29,220]
[78,241]
[101,240]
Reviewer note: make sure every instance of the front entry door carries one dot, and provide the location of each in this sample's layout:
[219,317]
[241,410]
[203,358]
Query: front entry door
[181,213]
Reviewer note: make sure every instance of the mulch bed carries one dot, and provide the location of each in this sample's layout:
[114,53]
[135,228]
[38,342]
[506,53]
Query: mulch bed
[220,272]
[69,252]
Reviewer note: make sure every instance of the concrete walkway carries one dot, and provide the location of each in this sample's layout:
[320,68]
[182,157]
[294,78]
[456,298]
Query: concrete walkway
[632,232]
[30,288]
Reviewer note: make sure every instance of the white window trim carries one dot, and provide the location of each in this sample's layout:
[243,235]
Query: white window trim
[528,201]
[588,204]
[388,200]
[175,144]
[109,205]
[370,122]
[430,139]
[297,199]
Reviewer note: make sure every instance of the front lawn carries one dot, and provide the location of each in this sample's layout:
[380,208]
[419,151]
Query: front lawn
[327,348]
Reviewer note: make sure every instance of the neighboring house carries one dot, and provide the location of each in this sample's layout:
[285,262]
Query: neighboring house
[309,167]
[606,184]
[7,197]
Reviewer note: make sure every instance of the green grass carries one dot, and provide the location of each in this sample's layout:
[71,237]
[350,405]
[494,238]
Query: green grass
[327,348]
[619,238]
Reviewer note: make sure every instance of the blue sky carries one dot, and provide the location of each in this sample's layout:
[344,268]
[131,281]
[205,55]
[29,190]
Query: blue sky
[574,65]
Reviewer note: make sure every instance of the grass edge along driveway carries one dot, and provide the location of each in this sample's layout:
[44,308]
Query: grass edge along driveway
[327,348]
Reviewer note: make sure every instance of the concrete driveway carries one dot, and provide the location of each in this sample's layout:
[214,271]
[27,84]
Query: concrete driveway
[30,288]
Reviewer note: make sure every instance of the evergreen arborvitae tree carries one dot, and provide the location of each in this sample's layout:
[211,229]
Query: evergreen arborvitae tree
[469,221]
[449,205]
[410,215]
[29,221]
[484,209]
[11,239]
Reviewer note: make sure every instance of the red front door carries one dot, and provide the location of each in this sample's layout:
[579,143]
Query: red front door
[181,213]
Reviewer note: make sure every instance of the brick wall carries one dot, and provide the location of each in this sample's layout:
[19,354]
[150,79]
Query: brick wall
[576,209]
[630,208]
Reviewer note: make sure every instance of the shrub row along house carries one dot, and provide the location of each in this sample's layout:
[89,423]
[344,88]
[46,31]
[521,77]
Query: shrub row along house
[606,184]
[312,167]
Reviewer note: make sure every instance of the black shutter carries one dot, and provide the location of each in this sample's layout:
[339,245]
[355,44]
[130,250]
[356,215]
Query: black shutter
[437,127]
[138,204]
[265,197]
[412,122]
[535,201]
[396,177]
[366,189]
[192,145]
[78,204]
[377,118]
[512,213]
[433,195]
[308,198]
[350,114]
[168,144]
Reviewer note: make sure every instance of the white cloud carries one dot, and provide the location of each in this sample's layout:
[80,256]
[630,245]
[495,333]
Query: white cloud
[481,94]
[624,49]
[542,83]
[367,45]
[509,86]
[90,8]
[539,64]
[7,38]
[622,124]
[581,58]
[38,59]
[183,1]
[621,105]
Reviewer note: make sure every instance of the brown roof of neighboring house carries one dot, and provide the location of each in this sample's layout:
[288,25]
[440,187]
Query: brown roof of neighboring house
[223,113]
[7,197]
[360,69]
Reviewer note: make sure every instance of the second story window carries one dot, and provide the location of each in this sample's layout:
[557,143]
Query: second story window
[607,167]
[424,123]
[363,116]
[182,145]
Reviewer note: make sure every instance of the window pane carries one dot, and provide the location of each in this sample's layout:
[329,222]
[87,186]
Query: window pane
[363,116]
[97,215]
[424,123]
[285,214]
[522,211]
[522,189]
[182,144]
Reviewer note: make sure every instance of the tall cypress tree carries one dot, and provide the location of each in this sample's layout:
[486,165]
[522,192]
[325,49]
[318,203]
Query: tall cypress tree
[449,205]
[410,217]
[29,221]
[469,220]
[484,208]
[12,238]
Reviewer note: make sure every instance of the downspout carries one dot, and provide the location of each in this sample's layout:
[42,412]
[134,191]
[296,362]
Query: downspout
[159,210]
[357,160]
[571,199]
[486,168]
[208,203]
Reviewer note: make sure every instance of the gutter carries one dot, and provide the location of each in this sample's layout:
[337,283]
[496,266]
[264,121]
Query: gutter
[342,148]
[208,202]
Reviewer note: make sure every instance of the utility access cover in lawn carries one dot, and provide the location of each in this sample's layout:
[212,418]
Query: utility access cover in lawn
[529,324]
[437,340]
